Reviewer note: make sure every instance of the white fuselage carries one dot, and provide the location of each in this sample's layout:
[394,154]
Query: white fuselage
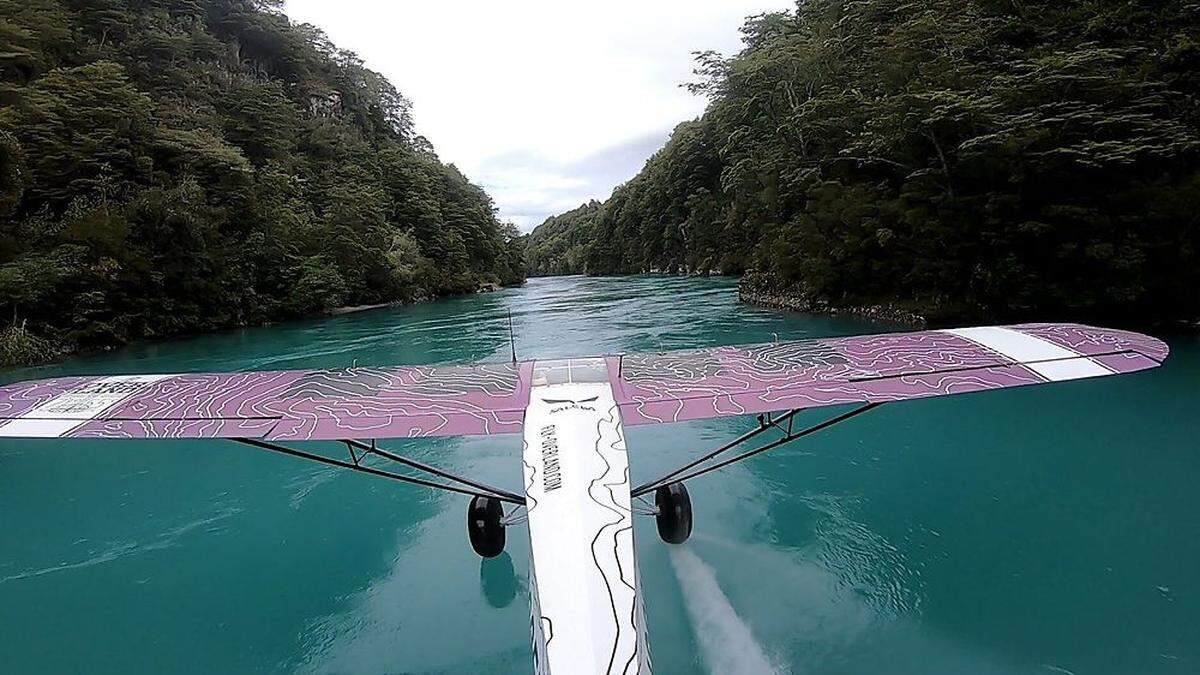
[587,617]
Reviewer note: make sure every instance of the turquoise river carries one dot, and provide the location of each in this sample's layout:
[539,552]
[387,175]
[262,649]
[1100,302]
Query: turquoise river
[1043,530]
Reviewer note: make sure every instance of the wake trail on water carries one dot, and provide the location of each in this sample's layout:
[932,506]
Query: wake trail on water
[725,640]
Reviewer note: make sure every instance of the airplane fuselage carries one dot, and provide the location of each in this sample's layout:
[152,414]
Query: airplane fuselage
[586,612]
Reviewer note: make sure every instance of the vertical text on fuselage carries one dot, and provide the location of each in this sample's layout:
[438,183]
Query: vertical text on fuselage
[551,470]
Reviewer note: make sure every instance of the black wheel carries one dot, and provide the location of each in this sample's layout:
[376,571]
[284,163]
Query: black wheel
[484,526]
[674,513]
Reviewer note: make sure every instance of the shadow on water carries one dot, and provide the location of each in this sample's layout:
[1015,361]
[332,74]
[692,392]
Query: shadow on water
[498,580]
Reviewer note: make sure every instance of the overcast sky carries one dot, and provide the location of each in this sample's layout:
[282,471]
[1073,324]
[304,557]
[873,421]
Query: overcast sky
[546,103]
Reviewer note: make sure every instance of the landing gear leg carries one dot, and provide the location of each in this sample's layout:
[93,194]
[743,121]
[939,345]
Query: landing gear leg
[674,513]
[484,526]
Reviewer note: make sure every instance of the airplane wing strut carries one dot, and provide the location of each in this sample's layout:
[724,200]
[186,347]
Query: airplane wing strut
[765,423]
[364,450]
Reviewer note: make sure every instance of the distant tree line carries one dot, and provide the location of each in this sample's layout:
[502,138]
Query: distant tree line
[560,245]
[967,158]
[171,166]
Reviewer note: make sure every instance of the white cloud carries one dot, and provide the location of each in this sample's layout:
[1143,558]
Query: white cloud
[520,95]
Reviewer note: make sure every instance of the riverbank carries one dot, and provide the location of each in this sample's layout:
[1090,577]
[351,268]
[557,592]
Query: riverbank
[22,348]
[763,290]
[486,287]
[767,291]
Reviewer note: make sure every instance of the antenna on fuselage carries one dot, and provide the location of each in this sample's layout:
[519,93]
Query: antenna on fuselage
[512,340]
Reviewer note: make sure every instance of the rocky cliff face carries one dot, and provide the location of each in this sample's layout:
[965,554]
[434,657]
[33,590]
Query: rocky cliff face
[764,290]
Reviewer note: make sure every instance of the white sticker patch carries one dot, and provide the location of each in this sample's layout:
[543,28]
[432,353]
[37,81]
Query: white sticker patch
[1045,358]
[63,413]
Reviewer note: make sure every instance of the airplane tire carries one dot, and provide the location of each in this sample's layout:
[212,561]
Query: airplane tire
[674,513]
[484,526]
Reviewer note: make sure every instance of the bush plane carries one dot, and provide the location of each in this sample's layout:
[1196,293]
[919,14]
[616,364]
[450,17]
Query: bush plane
[577,498]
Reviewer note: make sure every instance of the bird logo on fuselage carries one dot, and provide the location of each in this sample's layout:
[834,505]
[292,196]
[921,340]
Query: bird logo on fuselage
[570,404]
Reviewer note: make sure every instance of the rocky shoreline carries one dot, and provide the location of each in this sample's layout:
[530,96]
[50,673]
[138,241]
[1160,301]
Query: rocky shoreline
[764,290]
[483,287]
[21,349]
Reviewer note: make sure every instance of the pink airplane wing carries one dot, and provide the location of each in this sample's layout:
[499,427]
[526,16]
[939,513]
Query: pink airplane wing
[687,385]
[294,405]
[412,401]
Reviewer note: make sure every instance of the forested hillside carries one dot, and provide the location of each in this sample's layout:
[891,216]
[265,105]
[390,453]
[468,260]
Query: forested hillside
[169,166]
[994,159]
[559,245]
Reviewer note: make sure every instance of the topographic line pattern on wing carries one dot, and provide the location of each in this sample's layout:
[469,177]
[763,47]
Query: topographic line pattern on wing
[490,399]
[811,373]
[218,428]
[404,402]
[303,405]
[16,400]
[1093,341]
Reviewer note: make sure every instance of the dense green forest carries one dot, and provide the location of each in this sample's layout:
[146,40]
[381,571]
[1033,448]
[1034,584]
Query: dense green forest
[562,242]
[169,166]
[996,159]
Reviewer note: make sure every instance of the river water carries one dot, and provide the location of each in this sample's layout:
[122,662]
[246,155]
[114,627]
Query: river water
[1052,529]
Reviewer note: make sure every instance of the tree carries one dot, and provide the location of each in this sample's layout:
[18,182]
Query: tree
[81,128]
[972,160]
[173,166]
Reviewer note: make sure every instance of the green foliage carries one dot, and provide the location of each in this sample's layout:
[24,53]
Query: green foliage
[12,174]
[977,160]
[559,245]
[34,34]
[176,166]
[257,118]
[82,129]
[319,288]
[18,347]
[32,280]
